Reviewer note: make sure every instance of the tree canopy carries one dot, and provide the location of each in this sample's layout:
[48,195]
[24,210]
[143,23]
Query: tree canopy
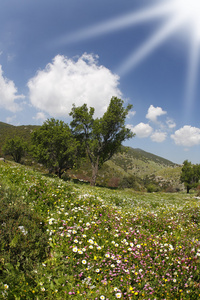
[54,146]
[101,137]
[190,175]
[16,147]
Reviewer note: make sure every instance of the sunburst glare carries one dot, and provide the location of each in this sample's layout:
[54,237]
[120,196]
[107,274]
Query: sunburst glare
[181,17]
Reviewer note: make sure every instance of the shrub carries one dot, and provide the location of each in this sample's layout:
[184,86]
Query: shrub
[130,181]
[24,240]
[151,188]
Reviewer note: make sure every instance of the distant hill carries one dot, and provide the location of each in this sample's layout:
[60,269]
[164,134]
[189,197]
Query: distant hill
[127,168]
[133,168]
[10,131]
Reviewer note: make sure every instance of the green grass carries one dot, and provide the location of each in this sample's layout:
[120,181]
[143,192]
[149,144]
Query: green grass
[95,243]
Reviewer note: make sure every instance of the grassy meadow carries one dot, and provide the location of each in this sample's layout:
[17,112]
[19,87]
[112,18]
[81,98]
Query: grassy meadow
[61,240]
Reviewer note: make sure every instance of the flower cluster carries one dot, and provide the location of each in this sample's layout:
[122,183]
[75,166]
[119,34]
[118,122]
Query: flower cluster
[113,244]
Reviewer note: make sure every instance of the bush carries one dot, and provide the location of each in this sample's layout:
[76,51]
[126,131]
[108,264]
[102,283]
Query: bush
[198,191]
[151,188]
[24,240]
[130,181]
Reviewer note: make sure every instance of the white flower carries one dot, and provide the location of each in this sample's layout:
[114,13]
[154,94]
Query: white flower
[23,230]
[51,221]
[140,270]
[84,262]
[42,289]
[107,255]
[97,270]
[75,249]
[102,297]
[6,286]
[118,295]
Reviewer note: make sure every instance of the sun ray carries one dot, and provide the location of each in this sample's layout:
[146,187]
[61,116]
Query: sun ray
[183,17]
[118,23]
[192,76]
[149,46]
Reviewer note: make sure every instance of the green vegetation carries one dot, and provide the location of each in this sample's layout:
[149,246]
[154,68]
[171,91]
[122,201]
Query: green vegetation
[95,243]
[55,146]
[190,175]
[101,138]
[128,167]
[9,131]
[16,147]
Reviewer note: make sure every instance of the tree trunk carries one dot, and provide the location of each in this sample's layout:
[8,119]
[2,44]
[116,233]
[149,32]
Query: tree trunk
[188,189]
[95,167]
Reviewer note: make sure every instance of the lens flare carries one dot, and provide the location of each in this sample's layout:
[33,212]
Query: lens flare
[183,17]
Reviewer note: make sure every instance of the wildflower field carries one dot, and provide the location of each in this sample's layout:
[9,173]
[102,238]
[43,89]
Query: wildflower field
[61,240]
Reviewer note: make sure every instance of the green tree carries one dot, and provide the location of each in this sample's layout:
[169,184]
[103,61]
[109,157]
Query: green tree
[190,175]
[54,146]
[101,137]
[16,147]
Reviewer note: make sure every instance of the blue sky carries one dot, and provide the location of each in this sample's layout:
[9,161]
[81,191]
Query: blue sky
[54,53]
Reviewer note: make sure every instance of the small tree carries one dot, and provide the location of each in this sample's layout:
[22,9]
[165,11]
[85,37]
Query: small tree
[16,147]
[190,175]
[54,146]
[101,137]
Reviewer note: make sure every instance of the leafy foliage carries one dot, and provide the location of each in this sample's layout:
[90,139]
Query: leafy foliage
[126,162]
[16,147]
[24,241]
[190,175]
[55,146]
[101,137]
[8,131]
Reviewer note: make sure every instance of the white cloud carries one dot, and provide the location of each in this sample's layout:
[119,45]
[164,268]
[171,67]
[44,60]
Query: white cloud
[170,123]
[40,116]
[8,94]
[10,120]
[142,130]
[154,112]
[158,136]
[187,136]
[131,114]
[65,81]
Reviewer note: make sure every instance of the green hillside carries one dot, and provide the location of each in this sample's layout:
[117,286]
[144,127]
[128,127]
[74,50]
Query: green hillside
[128,168]
[10,131]
[61,240]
